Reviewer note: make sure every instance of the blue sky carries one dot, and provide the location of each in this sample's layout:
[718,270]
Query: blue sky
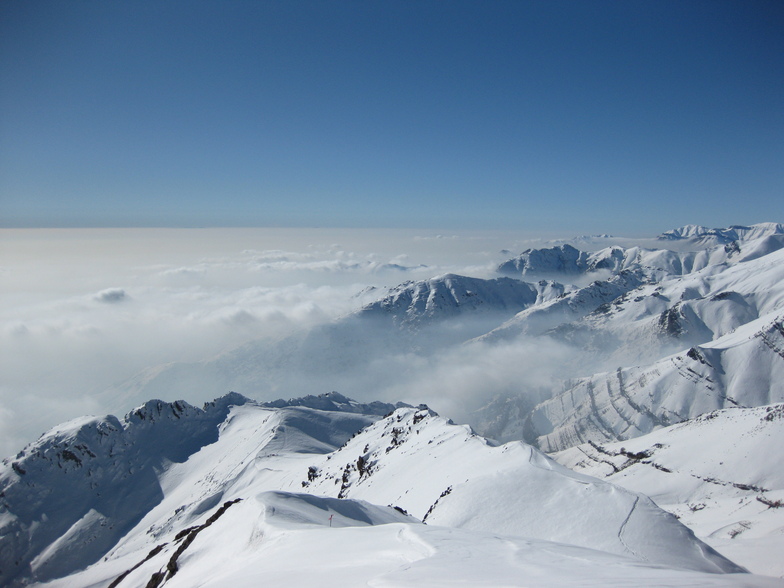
[623,117]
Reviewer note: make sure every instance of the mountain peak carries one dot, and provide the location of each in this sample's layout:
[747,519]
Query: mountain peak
[336,402]
[450,295]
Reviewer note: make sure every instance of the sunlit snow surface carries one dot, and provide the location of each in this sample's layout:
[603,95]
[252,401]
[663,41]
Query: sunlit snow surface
[279,539]
[720,473]
[278,536]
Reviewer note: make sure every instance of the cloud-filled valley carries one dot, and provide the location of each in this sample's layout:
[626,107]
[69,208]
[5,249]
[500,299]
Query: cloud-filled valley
[85,310]
[100,320]
[568,346]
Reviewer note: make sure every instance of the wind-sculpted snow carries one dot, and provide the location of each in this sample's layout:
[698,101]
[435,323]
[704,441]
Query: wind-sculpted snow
[721,473]
[744,368]
[446,475]
[265,504]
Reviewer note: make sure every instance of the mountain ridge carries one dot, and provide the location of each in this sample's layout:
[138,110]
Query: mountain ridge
[267,457]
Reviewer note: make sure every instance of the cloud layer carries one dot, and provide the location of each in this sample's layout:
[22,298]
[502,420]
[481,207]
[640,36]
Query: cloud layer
[83,310]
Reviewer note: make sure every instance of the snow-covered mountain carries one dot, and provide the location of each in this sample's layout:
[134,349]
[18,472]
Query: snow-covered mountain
[561,259]
[267,489]
[444,297]
[678,354]
[720,473]
[698,248]
[567,307]
[700,235]
[744,368]
[636,316]
[80,487]
[335,402]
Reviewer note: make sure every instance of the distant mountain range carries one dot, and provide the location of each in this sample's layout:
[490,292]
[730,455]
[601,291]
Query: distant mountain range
[426,316]
[705,236]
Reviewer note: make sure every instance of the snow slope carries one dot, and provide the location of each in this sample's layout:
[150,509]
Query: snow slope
[257,503]
[744,368]
[446,475]
[73,493]
[721,473]
[285,539]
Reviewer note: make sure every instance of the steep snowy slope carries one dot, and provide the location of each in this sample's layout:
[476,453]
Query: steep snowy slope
[446,475]
[239,500]
[721,473]
[68,497]
[298,541]
[743,368]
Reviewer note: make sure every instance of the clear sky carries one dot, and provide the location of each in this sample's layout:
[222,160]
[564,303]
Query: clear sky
[622,116]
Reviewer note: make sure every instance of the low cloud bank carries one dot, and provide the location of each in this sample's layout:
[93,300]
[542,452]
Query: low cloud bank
[82,310]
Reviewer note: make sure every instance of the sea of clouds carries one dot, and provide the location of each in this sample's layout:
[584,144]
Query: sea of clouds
[84,310]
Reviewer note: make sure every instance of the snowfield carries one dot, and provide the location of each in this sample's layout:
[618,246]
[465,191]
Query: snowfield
[250,505]
[719,474]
